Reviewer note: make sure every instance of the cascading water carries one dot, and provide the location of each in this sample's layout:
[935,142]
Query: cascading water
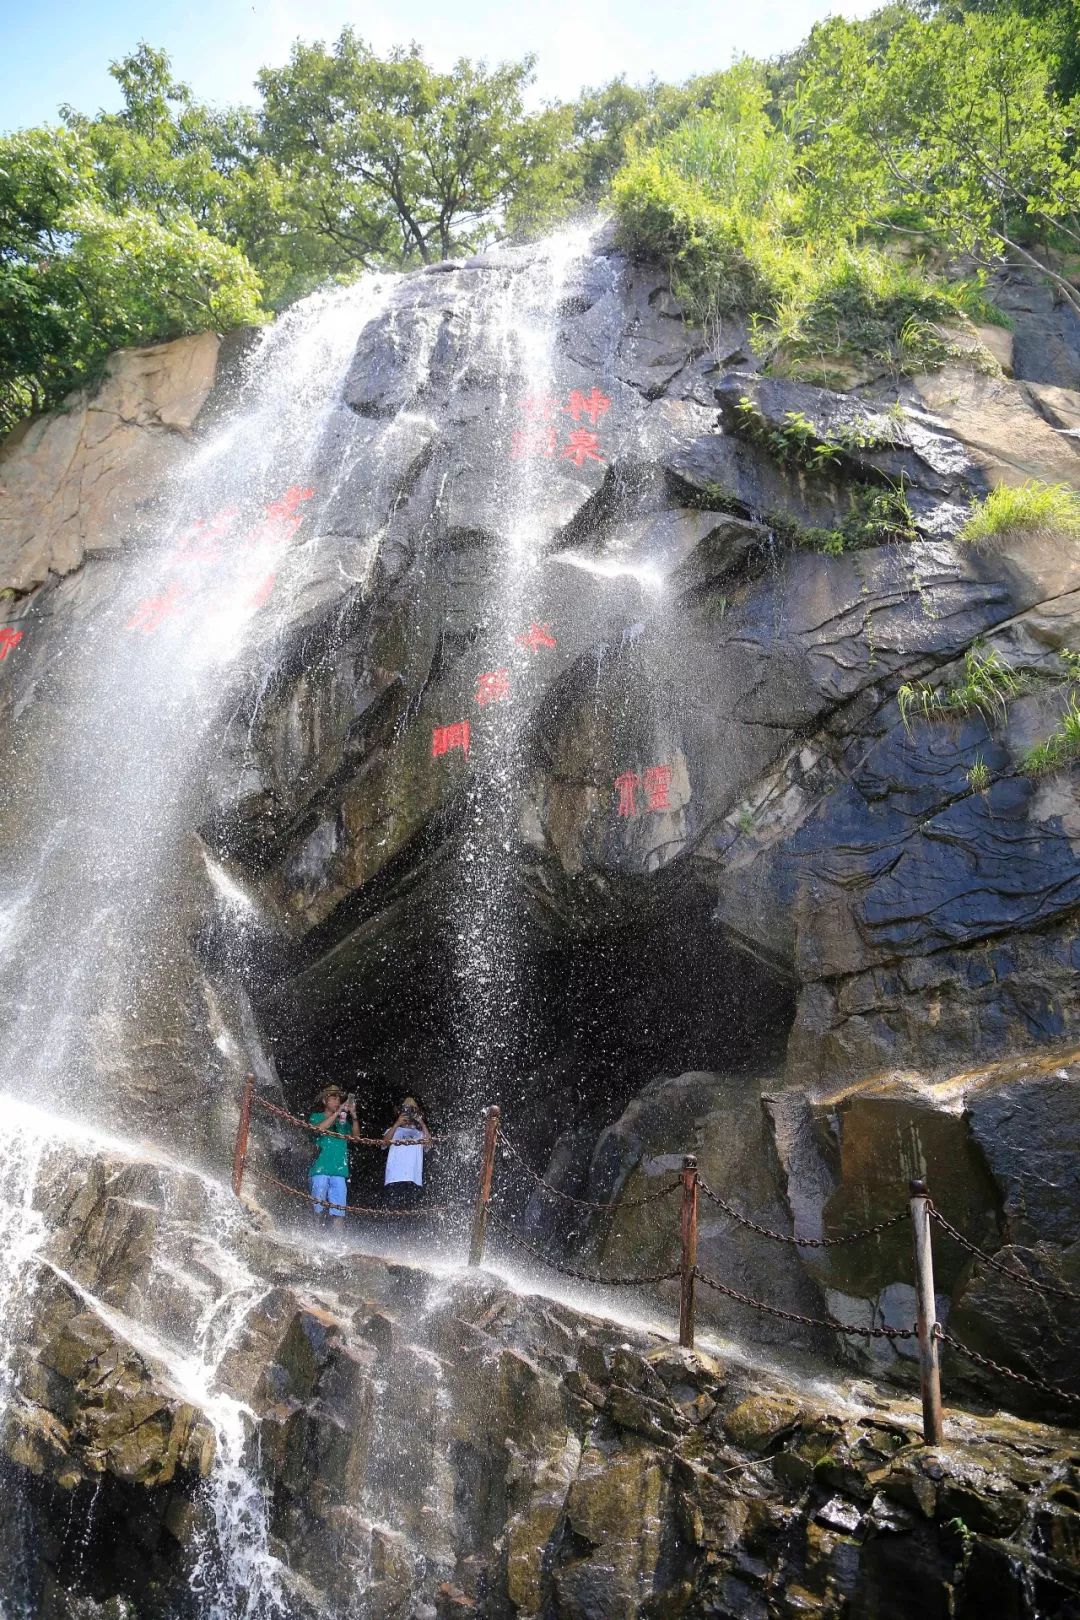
[233,1572]
[176,648]
[90,957]
[93,934]
[513,339]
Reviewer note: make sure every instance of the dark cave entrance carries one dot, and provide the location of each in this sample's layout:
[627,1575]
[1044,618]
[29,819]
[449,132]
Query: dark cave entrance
[605,1014]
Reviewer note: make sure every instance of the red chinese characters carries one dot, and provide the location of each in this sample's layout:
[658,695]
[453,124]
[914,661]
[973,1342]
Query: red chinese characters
[531,441]
[654,782]
[9,640]
[493,687]
[626,787]
[201,544]
[537,636]
[582,446]
[153,611]
[593,405]
[444,739]
[280,520]
[657,782]
[236,557]
[539,436]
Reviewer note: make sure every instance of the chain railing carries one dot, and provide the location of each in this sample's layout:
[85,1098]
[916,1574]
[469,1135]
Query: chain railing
[325,1205]
[1019,1277]
[516,1241]
[920,1213]
[1006,1372]
[881,1332]
[801,1242]
[316,1130]
[552,1191]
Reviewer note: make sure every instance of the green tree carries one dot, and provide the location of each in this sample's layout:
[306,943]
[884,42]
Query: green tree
[385,158]
[112,231]
[950,125]
[1059,21]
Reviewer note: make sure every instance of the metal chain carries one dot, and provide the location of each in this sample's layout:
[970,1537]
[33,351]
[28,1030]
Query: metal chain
[314,1130]
[1005,1372]
[996,1265]
[570,1271]
[807,1321]
[583,1203]
[800,1242]
[324,1203]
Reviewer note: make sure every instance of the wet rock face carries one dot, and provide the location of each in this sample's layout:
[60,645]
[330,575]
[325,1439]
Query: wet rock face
[695,884]
[817,891]
[440,1446]
[834,843]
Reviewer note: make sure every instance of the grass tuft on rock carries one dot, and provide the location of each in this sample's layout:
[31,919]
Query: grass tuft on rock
[978,775]
[987,685]
[1033,507]
[1061,748]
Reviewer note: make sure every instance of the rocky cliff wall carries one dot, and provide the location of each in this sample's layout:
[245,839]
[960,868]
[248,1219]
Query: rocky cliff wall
[743,907]
[418,1445]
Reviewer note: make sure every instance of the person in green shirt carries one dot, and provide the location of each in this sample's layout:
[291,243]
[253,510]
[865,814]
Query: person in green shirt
[329,1174]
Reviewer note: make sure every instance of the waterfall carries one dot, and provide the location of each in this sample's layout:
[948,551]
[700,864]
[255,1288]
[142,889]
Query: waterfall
[513,339]
[174,641]
[94,895]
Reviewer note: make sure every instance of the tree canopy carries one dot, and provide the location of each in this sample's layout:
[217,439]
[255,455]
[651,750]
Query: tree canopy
[384,157]
[802,191]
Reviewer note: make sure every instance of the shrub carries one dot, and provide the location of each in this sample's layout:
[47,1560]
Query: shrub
[717,200]
[1030,507]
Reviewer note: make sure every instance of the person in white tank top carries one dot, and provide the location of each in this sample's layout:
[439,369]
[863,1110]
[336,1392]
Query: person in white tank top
[406,1140]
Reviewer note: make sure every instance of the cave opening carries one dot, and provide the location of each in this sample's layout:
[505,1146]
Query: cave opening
[599,1017]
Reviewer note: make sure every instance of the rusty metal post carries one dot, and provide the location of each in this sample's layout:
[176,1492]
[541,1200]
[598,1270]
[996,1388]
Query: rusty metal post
[926,1320]
[688,1242]
[243,1130]
[483,1190]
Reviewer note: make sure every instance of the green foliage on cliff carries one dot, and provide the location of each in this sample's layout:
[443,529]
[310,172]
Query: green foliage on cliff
[890,141]
[111,233]
[1060,748]
[987,686]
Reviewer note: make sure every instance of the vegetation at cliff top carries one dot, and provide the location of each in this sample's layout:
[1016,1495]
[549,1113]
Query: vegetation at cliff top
[824,196]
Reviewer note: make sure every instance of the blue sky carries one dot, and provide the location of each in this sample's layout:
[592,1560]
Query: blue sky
[58,51]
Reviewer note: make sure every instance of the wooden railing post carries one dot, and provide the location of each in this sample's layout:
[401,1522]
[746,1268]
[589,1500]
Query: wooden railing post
[926,1319]
[243,1129]
[688,1241]
[483,1189]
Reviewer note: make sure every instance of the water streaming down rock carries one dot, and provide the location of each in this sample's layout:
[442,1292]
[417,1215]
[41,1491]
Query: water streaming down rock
[95,970]
[96,963]
[513,343]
